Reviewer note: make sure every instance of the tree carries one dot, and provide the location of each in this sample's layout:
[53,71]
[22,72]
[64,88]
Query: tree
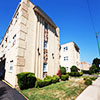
[96,61]
[93,68]
[74,69]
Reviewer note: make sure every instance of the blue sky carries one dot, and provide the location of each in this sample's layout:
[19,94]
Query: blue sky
[71,16]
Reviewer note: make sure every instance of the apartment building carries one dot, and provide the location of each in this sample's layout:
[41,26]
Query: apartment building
[70,55]
[85,66]
[30,44]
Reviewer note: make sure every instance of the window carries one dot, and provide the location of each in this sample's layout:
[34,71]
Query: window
[65,58]
[46,26]
[11,66]
[17,15]
[45,44]
[45,67]
[2,45]
[14,40]
[67,68]
[65,48]
[6,39]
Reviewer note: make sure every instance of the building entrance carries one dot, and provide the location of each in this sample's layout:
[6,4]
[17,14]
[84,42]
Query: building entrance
[2,68]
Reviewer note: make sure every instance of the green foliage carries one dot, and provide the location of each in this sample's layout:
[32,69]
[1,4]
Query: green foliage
[81,73]
[93,69]
[86,71]
[63,70]
[47,77]
[96,61]
[47,81]
[88,81]
[26,80]
[42,83]
[55,79]
[64,77]
[74,69]
[76,74]
[90,77]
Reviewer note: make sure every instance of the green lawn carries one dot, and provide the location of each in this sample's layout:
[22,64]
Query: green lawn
[64,90]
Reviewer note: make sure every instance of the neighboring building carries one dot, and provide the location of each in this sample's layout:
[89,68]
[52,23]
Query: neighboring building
[85,66]
[30,44]
[70,55]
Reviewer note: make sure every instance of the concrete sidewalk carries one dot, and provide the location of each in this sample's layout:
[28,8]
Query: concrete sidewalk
[92,92]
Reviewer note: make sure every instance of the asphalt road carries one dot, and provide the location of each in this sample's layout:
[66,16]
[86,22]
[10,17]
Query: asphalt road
[8,93]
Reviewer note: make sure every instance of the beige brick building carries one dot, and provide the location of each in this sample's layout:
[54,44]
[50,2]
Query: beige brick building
[30,44]
[70,55]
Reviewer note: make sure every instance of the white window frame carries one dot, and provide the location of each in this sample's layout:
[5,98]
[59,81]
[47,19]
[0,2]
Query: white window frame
[46,68]
[11,66]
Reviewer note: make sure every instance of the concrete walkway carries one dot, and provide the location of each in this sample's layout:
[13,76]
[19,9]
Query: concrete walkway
[92,92]
[9,93]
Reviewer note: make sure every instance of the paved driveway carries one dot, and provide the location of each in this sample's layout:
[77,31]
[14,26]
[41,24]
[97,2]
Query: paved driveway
[8,93]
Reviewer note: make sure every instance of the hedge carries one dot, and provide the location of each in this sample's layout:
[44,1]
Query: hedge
[54,79]
[26,80]
[47,81]
[42,83]
[76,74]
[88,81]
[64,77]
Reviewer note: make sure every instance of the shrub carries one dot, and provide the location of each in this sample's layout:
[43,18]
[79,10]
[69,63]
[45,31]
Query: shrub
[86,71]
[42,83]
[55,79]
[74,69]
[71,74]
[93,78]
[63,70]
[47,77]
[64,77]
[26,80]
[81,73]
[86,77]
[88,81]
[93,68]
[76,74]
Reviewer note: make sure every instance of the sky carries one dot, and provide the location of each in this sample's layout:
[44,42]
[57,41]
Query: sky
[71,16]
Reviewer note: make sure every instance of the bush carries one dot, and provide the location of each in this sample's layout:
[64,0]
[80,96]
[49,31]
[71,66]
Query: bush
[26,80]
[47,77]
[76,74]
[42,83]
[74,69]
[86,71]
[93,78]
[81,73]
[93,68]
[88,81]
[54,79]
[63,70]
[64,77]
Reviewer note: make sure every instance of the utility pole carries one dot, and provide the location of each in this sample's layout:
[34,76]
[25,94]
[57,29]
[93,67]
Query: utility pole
[98,42]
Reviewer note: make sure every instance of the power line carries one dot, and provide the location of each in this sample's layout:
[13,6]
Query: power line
[91,17]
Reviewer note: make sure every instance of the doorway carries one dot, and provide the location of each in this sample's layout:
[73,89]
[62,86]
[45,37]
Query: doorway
[2,69]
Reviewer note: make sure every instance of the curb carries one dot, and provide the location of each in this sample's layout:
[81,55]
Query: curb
[8,84]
